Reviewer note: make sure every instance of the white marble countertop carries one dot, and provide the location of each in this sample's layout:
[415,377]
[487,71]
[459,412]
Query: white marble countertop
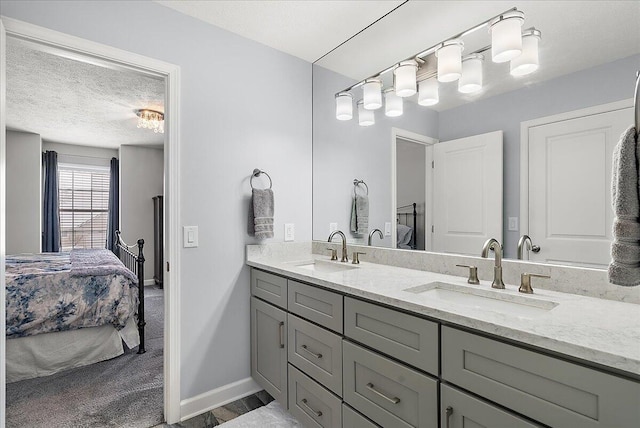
[596,330]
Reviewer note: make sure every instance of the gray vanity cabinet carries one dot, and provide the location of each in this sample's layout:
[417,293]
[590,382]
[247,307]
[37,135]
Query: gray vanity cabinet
[269,348]
[269,287]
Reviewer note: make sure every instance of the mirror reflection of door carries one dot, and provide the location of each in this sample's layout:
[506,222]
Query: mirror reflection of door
[570,215]
[467,193]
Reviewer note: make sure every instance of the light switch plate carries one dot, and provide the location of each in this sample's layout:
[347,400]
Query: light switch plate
[387,229]
[513,224]
[189,236]
[289,232]
[333,227]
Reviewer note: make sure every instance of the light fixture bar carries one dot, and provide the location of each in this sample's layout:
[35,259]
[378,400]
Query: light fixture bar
[418,57]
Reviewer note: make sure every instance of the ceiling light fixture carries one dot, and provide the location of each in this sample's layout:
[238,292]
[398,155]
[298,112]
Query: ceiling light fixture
[471,79]
[151,119]
[344,106]
[506,36]
[372,94]
[405,78]
[527,62]
[428,92]
[365,117]
[392,103]
[449,56]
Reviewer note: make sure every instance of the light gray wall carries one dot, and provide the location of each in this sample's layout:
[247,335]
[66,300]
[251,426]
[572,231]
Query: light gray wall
[24,198]
[88,152]
[344,150]
[226,131]
[598,85]
[141,178]
[411,184]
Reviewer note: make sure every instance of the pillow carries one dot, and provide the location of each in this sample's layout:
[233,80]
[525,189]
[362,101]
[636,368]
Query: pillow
[403,234]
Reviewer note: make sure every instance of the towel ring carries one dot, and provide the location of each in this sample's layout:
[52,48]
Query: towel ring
[355,186]
[256,173]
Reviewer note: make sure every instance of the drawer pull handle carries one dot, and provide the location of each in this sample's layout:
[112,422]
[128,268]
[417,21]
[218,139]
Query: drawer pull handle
[308,351]
[281,332]
[315,412]
[448,411]
[394,400]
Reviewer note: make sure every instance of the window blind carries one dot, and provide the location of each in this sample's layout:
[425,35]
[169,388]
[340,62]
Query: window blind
[84,206]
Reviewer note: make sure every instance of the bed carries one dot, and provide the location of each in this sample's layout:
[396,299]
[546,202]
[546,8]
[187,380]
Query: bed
[66,310]
[406,221]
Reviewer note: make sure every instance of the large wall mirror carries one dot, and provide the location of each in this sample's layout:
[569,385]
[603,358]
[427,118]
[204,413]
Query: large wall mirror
[526,155]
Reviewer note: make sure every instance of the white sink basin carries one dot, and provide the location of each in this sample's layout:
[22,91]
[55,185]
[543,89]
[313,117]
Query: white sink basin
[488,300]
[325,267]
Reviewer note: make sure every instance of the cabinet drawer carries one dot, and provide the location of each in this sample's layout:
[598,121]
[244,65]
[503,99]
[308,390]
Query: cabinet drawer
[546,389]
[269,287]
[353,419]
[315,304]
[389,393]
[410,339]
[317,352]
[311,404]
[470,411]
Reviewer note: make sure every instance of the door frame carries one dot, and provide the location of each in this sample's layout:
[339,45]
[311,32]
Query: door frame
[105,54]
[428,142]
[547,120]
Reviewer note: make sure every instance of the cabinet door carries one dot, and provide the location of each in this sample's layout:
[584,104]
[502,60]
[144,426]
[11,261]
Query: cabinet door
[269,348]
[458,410]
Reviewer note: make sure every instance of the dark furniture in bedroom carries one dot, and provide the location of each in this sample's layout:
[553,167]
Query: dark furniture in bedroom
[403,218]
[158,230]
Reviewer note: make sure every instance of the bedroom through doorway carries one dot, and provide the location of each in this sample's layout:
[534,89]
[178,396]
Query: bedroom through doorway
[86,113]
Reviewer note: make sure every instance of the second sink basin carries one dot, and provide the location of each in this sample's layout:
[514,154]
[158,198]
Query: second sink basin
[489,300]
[326,267]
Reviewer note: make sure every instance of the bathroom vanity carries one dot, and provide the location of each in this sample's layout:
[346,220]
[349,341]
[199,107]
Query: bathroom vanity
[370,345]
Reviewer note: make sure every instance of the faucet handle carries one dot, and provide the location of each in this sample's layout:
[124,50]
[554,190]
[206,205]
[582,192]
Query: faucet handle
[356,260]
[525,282]
[334,253]
[473,274]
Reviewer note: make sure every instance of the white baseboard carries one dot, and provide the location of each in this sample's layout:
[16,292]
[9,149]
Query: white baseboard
[215,398]
[148,282]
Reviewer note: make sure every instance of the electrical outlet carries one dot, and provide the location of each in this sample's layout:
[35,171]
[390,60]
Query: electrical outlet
[333,227]
[387,229]
[289,232]
[513,224]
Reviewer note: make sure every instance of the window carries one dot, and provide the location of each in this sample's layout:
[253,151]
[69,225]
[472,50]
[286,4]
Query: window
[84,205]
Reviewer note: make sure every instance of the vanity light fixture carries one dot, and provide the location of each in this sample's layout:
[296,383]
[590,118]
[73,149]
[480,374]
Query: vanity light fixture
[428,92]
[365,117]
[405,78]
[151,119]
[506,36]
[372,94]
[393,104]
[527,62]
[344,106]
[449,56]
[471,79]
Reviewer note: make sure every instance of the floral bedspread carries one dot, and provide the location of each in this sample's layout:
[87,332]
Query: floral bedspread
[43,296]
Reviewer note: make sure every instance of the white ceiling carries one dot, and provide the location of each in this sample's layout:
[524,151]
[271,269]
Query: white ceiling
[305,29]
[77,102]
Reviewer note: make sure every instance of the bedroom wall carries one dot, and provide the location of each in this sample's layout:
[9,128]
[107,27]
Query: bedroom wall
[89,153]
[566,93]
[141,178]
[24,200]
[225,132]
[411,185]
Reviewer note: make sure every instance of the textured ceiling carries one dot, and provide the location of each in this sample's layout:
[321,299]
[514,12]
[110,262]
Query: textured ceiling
[74,102]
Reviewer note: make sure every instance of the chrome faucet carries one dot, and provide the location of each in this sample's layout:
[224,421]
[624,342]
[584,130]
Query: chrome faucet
[344,244]
[493,244]
[371,235]
[525,239]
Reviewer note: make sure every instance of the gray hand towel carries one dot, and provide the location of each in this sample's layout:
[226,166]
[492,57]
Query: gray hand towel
[263,205]
[624,268]
[360,214]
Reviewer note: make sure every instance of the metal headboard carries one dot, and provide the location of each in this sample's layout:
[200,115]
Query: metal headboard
[413,213]
[135,263]
[636,104]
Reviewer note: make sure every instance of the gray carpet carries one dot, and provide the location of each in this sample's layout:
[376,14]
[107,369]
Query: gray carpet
[123,392]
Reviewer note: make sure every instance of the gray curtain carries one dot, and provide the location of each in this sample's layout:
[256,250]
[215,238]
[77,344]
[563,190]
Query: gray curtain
[51,213]
[114,204]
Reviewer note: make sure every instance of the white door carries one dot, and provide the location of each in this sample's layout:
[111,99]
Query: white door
[3,109]
[467,193]
[570,215]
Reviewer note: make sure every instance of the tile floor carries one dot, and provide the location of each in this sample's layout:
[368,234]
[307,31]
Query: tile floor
[225,413]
